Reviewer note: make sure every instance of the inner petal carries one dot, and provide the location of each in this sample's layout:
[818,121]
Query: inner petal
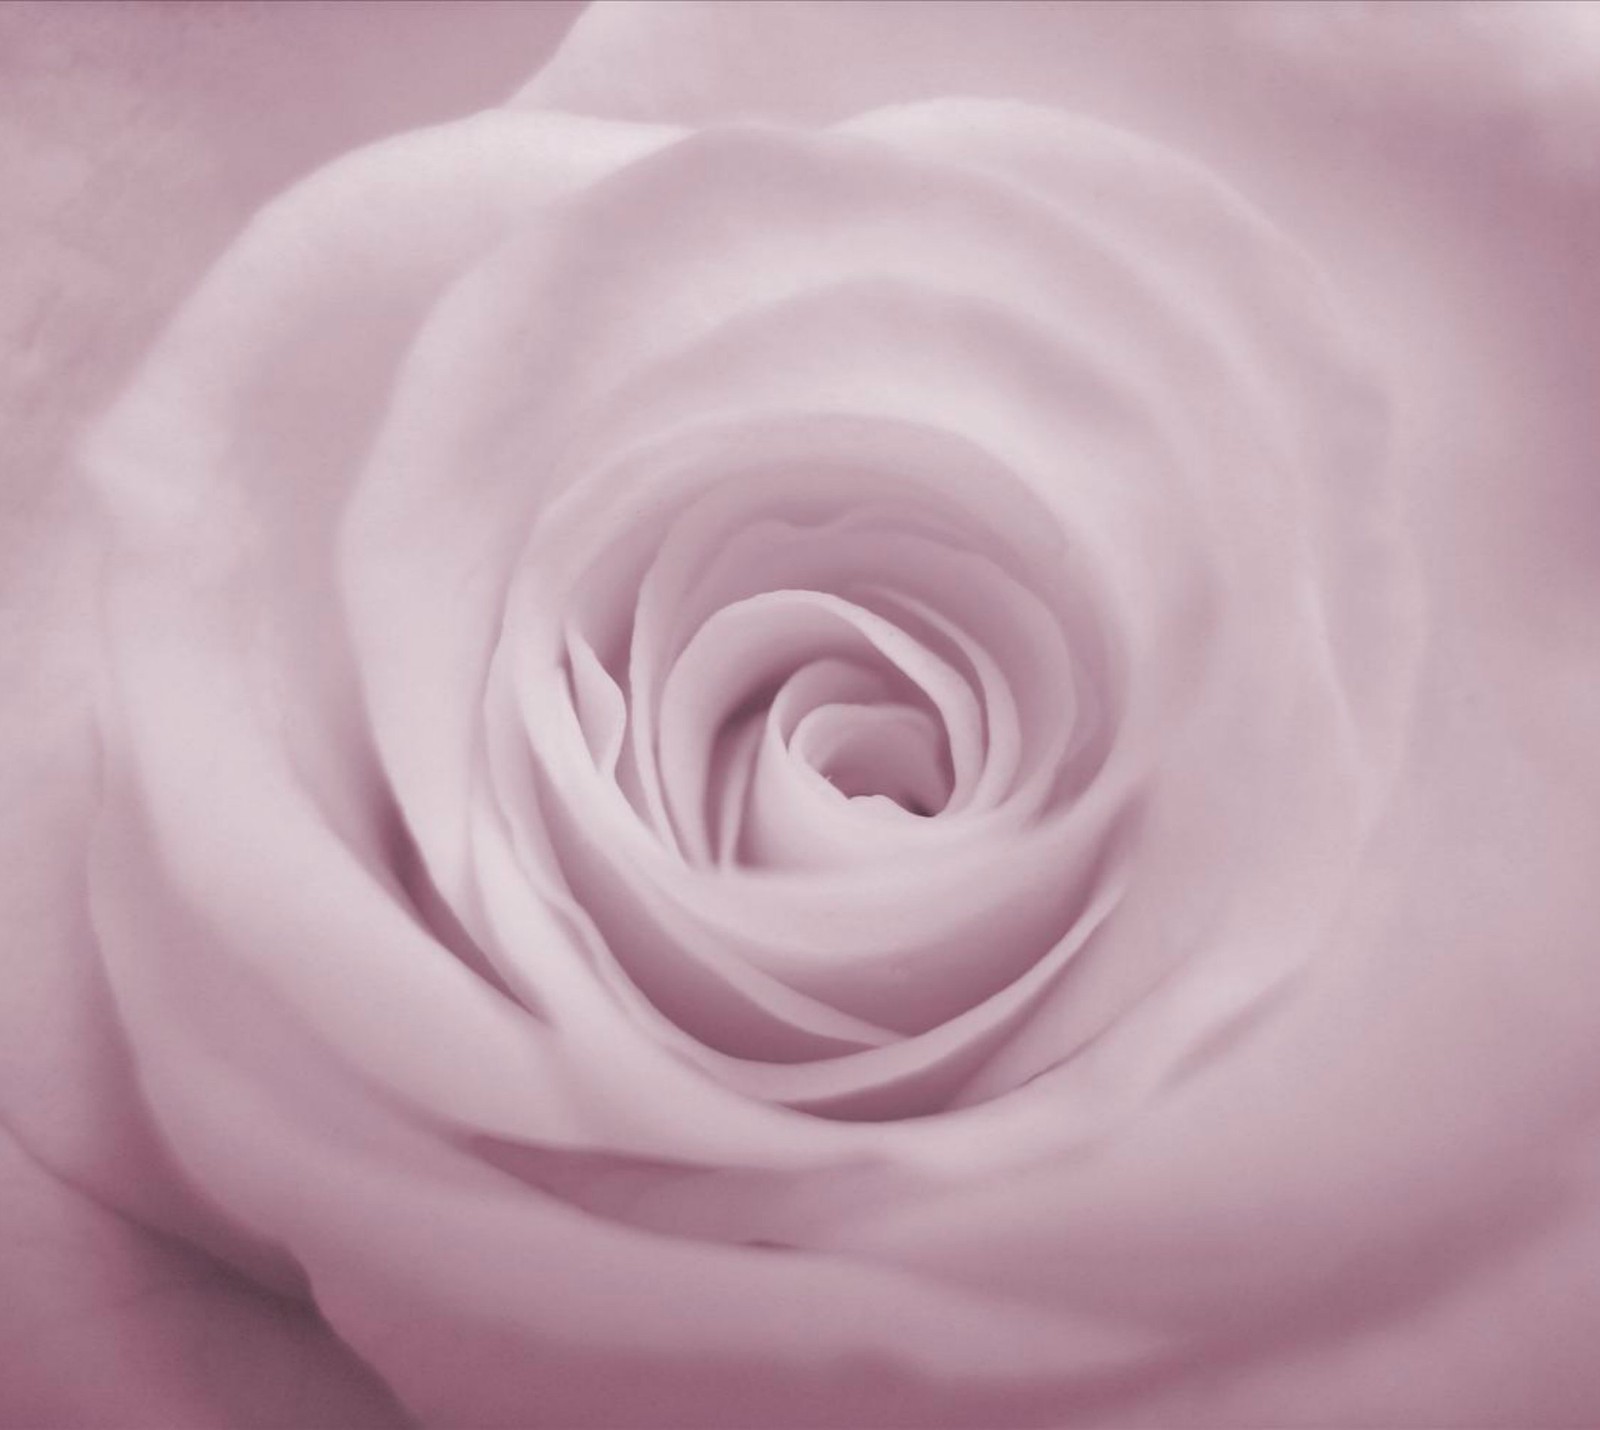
[790,815]
[747,648]
[891,752]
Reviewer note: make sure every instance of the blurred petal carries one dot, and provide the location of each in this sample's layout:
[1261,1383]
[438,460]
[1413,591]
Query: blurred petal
[106,1325]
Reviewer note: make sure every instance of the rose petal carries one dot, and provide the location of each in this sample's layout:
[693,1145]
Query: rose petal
[108,1325]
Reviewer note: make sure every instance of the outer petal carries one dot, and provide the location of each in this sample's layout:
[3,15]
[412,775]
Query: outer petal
[133,141]
[106,1325]
[1439,159]
[814,61]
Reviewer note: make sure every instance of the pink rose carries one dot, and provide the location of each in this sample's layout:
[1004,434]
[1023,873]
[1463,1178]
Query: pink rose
[866,715]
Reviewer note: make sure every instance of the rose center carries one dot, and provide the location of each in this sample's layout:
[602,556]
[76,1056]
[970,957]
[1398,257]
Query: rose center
[811,665]
[877,752]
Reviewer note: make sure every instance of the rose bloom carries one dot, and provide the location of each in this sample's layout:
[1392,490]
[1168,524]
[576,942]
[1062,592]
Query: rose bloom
[860,715]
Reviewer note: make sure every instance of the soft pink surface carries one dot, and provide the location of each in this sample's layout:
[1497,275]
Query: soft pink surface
[866,715]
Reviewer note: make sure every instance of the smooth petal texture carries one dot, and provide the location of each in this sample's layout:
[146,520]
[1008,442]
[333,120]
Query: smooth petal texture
[133,142]
[764,756]
[1372,1199]
[109,1325]
[626,307]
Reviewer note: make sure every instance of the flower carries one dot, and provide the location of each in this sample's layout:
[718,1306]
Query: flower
[767,755]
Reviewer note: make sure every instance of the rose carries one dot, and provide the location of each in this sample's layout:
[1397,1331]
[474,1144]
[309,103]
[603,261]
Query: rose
[1025,1252]
[1111,1188]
